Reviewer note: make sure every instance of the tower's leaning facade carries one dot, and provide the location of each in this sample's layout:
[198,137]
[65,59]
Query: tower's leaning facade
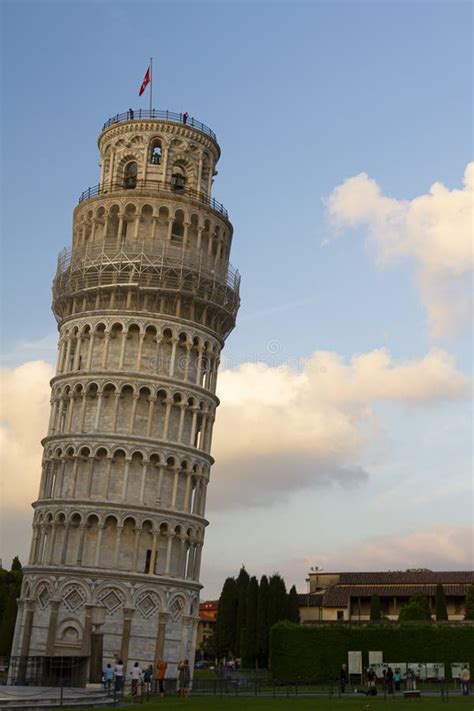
[144,301]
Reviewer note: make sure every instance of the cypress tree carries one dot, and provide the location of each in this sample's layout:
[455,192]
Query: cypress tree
[262,622]
[241,616]
[249,645]
[441,609]
[16,565]
[469,612]
[278,603]
[226,618]
[375,611]
[293,606]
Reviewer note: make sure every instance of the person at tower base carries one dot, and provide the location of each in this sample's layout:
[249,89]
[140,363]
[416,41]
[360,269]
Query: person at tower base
[343,678]
[184,678]
[118,676]
[136,672]
[161,668]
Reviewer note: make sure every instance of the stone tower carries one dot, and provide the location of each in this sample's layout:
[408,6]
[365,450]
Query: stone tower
[144,300]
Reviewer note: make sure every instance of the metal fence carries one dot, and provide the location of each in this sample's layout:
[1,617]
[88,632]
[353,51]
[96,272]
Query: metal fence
[172,116]
[158,186]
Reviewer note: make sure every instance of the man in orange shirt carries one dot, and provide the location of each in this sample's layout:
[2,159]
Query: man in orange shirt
[161,668]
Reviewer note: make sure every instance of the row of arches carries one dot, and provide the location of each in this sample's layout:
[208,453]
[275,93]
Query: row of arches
[139,223]
[157,155]
[102,474]
[74,594]
[126,409]
[131,346]
[214,311]
[103,541]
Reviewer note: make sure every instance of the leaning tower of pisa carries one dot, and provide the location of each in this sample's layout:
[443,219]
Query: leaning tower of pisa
[144,300]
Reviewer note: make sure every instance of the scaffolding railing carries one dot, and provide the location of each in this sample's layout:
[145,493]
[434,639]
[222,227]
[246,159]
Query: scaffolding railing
[157,186]
[156,256]
[171,116]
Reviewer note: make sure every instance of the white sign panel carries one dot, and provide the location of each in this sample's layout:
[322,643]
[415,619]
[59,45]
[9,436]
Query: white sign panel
[401,666]
[378,668]
[354,662]
[418,668]
[434,671]
[456,668]
[375,658]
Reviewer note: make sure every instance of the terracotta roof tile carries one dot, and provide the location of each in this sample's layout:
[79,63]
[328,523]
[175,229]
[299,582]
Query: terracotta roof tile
[407,577]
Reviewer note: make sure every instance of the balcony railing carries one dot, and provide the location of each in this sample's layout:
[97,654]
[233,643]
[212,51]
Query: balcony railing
[140,114]
[158,187]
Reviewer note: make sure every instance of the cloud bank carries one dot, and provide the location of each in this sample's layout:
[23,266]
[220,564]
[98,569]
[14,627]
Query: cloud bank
[435,230]
[440,547]
[281,429]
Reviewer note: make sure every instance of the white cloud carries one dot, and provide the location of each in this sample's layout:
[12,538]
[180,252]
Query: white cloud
[24,421]
[280,429]
[434,229]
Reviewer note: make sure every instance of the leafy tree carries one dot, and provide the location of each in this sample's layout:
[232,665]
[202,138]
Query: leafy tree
[441,609]
[241,618]
[418,608]
[375,609]
[249,643]
[10,587]
[226,618]
[293,606]
[278,602]
[262,622]
[469,613]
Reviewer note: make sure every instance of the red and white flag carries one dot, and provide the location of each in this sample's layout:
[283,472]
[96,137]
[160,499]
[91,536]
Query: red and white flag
[145,82]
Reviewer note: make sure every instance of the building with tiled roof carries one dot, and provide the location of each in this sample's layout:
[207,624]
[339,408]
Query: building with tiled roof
[346,596]
[207,622]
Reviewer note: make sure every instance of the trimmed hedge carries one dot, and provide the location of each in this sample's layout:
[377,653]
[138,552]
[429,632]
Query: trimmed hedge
[303,652]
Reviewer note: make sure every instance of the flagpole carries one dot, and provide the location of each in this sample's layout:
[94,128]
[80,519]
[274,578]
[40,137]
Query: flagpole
[151,84]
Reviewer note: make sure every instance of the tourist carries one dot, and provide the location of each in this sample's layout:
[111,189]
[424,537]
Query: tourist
[130,113]
[397,677]
[147,677]
[343,678]
[371,679]
[185,117]
[465,677]
[411,680]
[389,680]
[184,678]
[109,676]
[161,668]
[118,676]
[136,672]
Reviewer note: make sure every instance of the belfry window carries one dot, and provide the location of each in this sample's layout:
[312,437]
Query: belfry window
[155,154]
[130,181]
[178,180]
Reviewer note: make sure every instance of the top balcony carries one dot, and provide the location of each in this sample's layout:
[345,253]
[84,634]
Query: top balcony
[153,186]
[170,116]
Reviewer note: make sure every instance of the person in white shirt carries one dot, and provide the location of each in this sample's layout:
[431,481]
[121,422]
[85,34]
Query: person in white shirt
[118,676]
[136,673]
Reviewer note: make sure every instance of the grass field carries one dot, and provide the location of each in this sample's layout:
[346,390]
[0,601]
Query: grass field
[458,703]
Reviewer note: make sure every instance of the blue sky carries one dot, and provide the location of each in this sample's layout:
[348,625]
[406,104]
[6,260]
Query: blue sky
[302,96]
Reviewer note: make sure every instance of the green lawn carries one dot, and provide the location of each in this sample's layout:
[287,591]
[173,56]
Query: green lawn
[458,703]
